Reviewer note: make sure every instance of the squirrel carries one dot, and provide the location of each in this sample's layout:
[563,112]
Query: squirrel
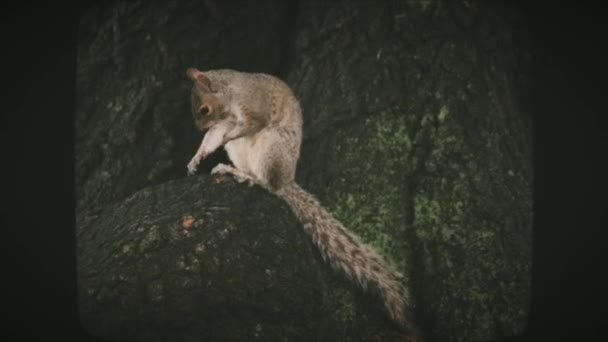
[258,120]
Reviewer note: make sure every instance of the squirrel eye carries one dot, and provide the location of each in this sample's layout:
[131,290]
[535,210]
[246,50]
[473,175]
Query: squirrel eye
[204,110]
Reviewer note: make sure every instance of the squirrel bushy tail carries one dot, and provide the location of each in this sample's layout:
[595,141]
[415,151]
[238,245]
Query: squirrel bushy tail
[345,251]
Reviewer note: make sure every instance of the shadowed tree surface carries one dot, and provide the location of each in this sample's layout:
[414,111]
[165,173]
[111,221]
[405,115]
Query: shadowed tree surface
[416,136]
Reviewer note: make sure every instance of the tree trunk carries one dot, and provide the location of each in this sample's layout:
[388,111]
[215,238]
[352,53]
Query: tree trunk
[190,260]
[416,137]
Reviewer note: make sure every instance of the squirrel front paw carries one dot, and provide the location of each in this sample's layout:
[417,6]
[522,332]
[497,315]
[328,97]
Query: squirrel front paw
[193,165]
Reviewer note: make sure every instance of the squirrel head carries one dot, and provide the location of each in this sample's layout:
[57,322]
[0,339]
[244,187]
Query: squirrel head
[208,102]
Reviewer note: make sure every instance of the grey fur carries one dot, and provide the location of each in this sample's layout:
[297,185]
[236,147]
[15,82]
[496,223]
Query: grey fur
[259,121]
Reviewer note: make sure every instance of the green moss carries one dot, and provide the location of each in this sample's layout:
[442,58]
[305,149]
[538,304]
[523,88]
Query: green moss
[457,220]
[339,302]
[368,197]
[443,113]
[455,228]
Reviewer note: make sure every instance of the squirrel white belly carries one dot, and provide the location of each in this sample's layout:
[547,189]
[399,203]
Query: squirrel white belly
[259,121]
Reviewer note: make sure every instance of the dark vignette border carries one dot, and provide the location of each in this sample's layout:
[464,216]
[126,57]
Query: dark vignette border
[37,215]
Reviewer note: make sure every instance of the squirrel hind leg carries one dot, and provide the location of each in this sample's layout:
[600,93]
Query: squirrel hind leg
[277,173]
[275,178]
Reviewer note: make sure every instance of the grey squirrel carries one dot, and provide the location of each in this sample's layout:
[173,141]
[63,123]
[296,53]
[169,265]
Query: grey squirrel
[258,120]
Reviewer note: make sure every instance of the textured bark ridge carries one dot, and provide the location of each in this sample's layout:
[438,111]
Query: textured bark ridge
[194,260]
[416,137]
[183,262]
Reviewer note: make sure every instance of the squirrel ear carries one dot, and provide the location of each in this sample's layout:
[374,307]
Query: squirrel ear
[192,73]
[197,76]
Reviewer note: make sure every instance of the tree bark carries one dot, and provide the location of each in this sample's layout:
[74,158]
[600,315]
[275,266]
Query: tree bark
[416,136]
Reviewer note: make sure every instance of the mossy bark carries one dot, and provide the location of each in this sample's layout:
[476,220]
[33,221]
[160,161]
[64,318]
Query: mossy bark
[416,136]
[421,143]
